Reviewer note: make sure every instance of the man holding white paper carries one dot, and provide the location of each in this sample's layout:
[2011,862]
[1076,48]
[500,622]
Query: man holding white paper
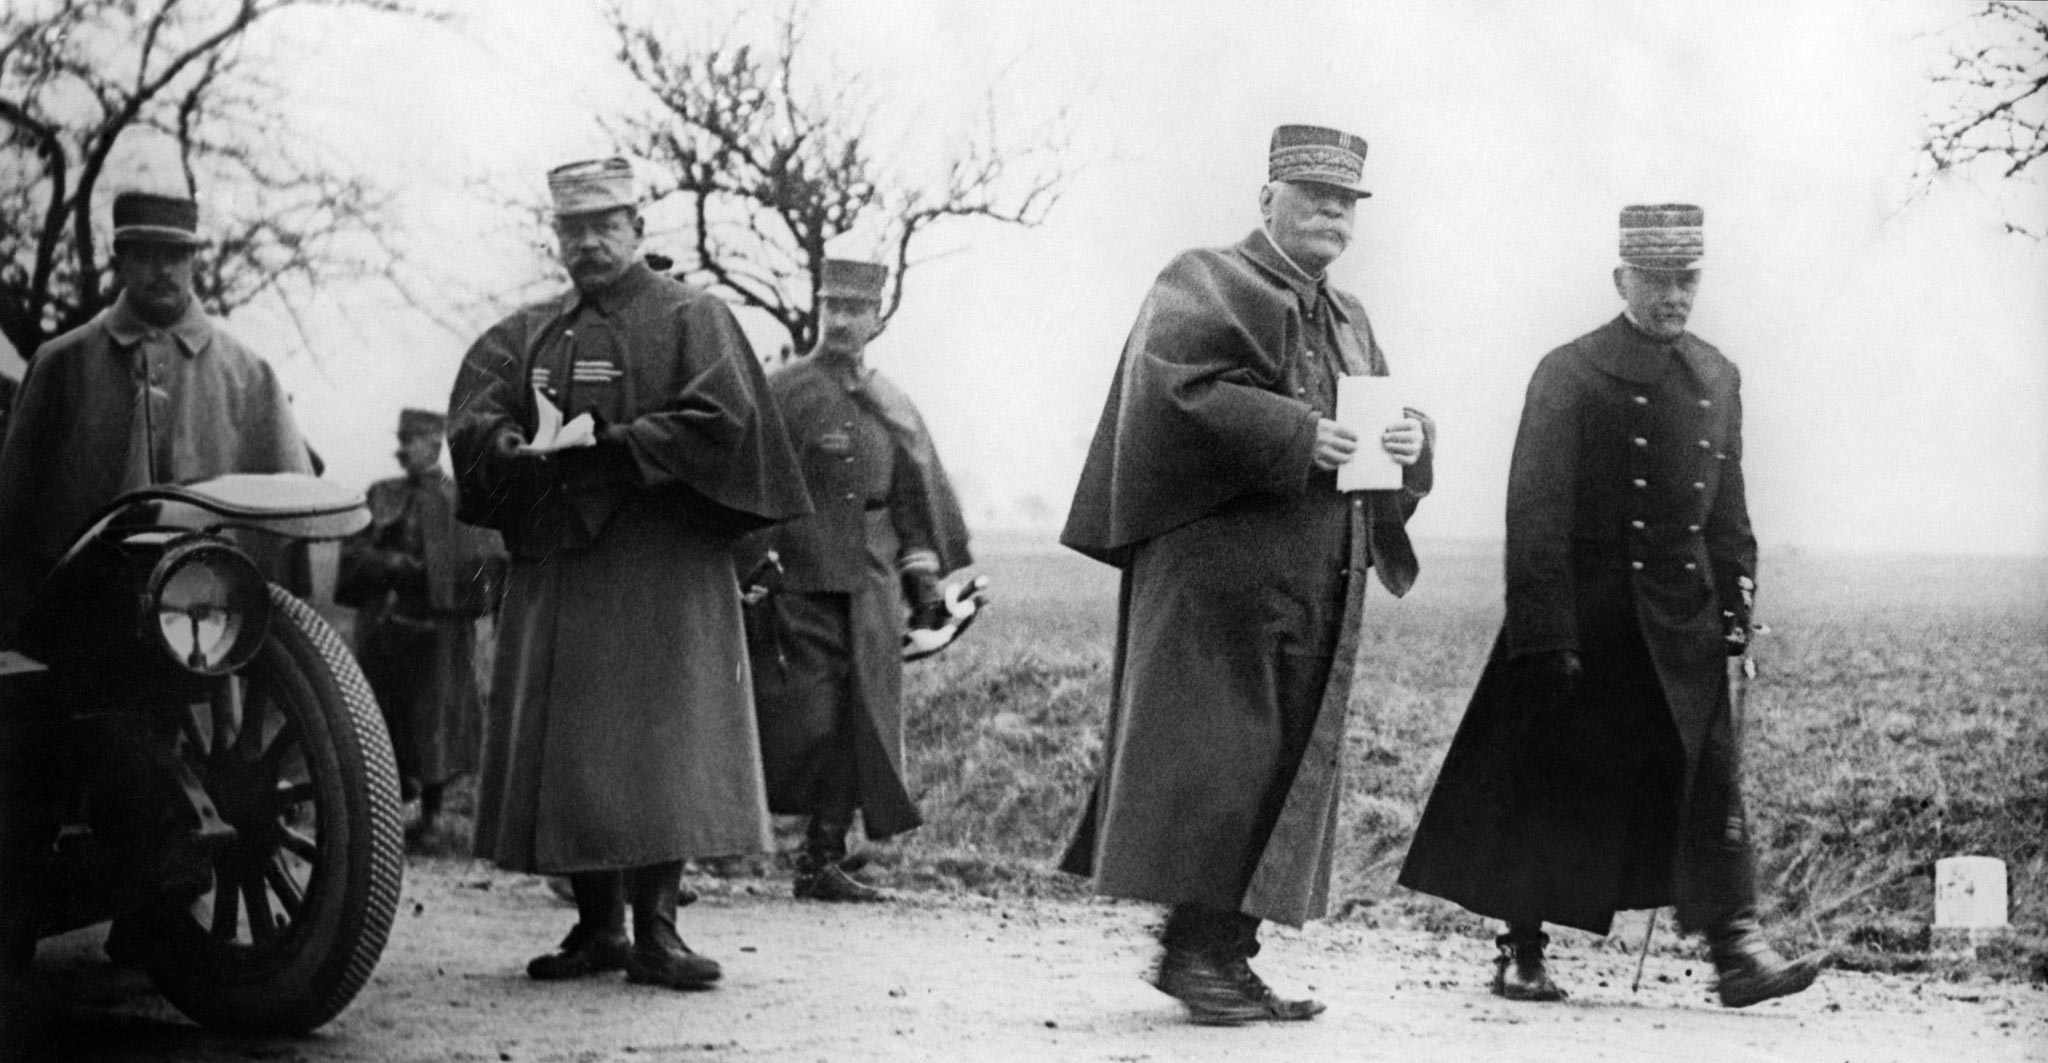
[1213,483]
[621,738]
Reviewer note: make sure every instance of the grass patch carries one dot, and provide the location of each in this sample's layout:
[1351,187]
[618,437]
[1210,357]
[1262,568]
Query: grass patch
[1899,718]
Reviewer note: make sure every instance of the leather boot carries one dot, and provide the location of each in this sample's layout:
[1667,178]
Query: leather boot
[1519,972]
[821,871]
[659,956]
[598,943]
[1747,970]
[1205,967]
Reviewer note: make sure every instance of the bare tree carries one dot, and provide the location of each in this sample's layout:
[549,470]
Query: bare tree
[80,77]
[1994,84]
[775,163]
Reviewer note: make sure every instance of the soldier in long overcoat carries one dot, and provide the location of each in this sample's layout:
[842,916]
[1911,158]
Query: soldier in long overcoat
[621,737]
[1595,769]
[419,580]
[826,647]
[1211,483]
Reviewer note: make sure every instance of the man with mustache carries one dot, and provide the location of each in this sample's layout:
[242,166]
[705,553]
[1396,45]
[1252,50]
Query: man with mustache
[621,738]
[151,390]
[1596,767]
[1212,483]
[827,655]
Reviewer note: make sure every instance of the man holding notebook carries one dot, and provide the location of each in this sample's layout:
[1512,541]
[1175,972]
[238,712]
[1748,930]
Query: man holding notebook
[1213,484]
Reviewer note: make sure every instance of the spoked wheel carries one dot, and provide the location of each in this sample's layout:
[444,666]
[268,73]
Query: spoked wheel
[294,755]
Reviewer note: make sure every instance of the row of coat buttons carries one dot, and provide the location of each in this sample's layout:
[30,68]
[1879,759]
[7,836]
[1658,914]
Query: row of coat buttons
[1704,444]
[1644,400]
[1640,483]
[1690,566]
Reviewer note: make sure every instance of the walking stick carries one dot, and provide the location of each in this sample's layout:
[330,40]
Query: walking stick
[1644,956]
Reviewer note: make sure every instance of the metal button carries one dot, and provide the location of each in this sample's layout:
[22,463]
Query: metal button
[1705,403]
[1641,442]
[1640,483]
[1691,567]
[1636,524]
[1706,444]
[1636,565]
[1699,485]
[1693,528]
[1642,400]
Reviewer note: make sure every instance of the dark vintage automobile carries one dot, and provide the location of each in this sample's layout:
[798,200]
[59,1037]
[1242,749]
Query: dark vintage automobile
[209,769]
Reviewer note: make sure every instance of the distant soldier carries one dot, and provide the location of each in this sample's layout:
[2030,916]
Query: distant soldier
[622,738]
[419,580]
[828,659]
[1596,766]
[1212,483]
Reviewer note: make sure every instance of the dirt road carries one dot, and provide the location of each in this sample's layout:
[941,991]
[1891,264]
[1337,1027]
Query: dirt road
[963,978]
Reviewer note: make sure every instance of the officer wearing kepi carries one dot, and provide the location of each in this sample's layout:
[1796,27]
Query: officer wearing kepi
[827,648]
[1596,767]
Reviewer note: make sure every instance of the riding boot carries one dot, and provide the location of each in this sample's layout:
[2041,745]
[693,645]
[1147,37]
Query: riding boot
[1519,972]
[659,956]
[1204,964]
[1747,970]
[821,873]
[598,942]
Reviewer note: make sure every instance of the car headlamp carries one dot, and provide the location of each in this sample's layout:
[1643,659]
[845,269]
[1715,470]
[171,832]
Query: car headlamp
[208,605]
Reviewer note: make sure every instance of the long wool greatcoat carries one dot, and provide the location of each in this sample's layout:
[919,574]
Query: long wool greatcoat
[621,729]
[1243,581]
[418,581]
[1628,540]
[116,404]
[830,644]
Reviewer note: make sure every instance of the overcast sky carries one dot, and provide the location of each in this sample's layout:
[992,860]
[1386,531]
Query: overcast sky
[1894,351]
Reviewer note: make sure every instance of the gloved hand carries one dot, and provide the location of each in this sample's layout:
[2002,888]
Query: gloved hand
[961,602]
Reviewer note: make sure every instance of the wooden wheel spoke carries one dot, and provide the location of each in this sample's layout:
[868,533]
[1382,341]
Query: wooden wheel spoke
[262,921]
[289,896]
[294,793]
[226,705]
[226,906]
[287,740]
[248,720]
[300,845]
[195,742]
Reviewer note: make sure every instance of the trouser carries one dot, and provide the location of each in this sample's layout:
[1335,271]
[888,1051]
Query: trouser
[835,793]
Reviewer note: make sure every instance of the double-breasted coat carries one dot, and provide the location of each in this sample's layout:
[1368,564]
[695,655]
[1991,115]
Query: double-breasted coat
[1629,542]
[1244,573]
[621,727]
[827,649]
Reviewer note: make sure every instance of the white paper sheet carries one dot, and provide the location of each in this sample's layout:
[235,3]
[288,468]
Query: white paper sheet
[1367,405]
[550,434]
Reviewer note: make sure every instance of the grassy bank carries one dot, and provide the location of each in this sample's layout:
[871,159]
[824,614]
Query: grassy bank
[1901,716]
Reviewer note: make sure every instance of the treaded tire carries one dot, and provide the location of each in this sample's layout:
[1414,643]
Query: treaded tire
[314,799]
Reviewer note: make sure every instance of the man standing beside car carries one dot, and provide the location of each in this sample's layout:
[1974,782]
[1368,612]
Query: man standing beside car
[621,739]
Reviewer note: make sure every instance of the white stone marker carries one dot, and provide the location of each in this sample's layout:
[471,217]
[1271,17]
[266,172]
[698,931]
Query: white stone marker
[1969,893]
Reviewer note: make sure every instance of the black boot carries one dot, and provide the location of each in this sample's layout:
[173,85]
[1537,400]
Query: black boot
[1519,972]
[1205,965]
[659,956]
[1747,970]
[821,872]
[598,943]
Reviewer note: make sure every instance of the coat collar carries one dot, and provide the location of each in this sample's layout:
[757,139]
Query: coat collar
[193,331]
[1259,249]
[1619,349]
[636,279]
